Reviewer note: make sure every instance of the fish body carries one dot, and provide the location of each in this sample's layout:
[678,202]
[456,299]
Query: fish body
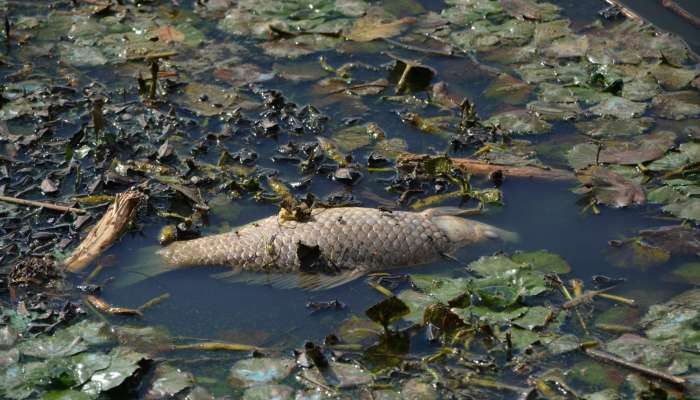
[349,242]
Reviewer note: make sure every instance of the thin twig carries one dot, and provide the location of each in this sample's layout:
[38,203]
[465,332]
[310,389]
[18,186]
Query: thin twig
[421,49]
[681,12]
[154,301]
[605,356]
[50,206]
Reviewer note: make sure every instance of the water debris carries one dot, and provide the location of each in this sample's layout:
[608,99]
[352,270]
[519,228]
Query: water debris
[105,307]
[41,204]
[217,346]
[411,75]
[479,167]
[108,230]
[602,355]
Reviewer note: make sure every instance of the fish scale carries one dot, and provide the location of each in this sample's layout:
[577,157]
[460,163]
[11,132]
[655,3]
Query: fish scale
[353,240]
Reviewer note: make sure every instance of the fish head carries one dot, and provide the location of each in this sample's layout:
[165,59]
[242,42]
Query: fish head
[463,232]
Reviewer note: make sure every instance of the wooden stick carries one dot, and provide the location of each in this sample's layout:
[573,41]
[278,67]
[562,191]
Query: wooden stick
[605,356]
[50,206]
[109,309]
[681,12]
[618,299]
[480,167]
[154,301]
[107,231]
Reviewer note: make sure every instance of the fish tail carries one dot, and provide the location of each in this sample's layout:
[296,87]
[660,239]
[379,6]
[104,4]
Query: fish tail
[505,235]
[146,265]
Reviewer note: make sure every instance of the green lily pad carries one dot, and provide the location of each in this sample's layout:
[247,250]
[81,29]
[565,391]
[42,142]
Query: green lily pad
[677,105]
[387,311]
[673,78]
[259,371]
[508,89]
[554,111]
[417,303]
[82,56]
[624,152]
[169,381]
[269,392]
[417,389]
[607,187]
[641,89]
[61,344]
[687,153]
[619,107]
[123,364]
[572,46]
[352,138]
[543,260]
[637,254]
[209,100]
[442,289]
[688,209]
[535,317]
[605,127]
[340,375]
[530,10]
[519,122]
[688,273]
[546,32]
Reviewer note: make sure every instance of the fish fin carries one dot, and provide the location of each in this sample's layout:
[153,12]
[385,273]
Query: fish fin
[452,211]
[450,256]
[311,282]
[145,264]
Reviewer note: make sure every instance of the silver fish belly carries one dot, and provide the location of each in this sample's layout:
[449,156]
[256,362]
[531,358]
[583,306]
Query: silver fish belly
[351,240]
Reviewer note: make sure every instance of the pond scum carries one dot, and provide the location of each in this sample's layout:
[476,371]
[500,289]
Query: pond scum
[181,107]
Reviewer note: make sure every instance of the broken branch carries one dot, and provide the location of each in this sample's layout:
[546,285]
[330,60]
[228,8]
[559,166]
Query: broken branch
[50,206]
[106,232]
[479,167]
[109,309]
[605,356]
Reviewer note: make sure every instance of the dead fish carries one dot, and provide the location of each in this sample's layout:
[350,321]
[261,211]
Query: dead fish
[333,247]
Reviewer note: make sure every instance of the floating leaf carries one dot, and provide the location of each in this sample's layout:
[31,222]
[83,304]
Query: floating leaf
[609,188]
[169,381]
[209,100]
[637,254]
[677,105]
[417,302]
[258,371]
[530,10]
[624,152]
[673,78]
[387,311]
[688,209]
[371,27]
[641,89]
[619,107]
[688,273]
[508,89]
[442,289]
[340,375]
[605,127]
[554,111]
[535,317]
[519,122]
[688,153]
[269,392]
[123,364]
[543,260]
